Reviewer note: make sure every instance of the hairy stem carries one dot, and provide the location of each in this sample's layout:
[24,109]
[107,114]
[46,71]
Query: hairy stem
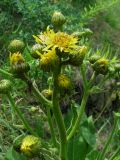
[38,94]
[50,121]
[59,119]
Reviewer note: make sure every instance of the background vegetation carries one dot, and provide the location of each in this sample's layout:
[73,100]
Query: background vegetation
[20,19]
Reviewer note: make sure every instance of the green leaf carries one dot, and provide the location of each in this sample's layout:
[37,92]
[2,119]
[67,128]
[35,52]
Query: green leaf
[77,148]
[13,155]
[92,155]
[88,132]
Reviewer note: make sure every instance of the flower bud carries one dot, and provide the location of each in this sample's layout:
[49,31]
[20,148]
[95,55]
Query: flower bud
[18,64]
[47,93]
[16,46]
[94,58]
[16,58]
[50,81]
[64,82]
[58,19]
[77,57]
[35,48]
[34,109]
[20,68]
[5,86]
[49,60]
[101,66]
[30,146]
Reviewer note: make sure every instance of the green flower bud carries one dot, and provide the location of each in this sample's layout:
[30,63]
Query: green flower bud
[94,58]
[58,19]
[101,66]
[31,146]
[34,109]
[18,69]
[35,48]
[50,81]
[16,46]
[47,93]
[77,57]
[5,86]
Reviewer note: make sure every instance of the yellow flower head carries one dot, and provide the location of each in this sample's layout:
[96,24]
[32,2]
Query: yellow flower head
[16,58]
[49,60]
[64,81]
[63,41]
[30,145]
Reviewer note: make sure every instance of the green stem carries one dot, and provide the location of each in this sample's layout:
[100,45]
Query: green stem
[41,98]
[81,111]
[103,153]
[85,83]
[19,113]
[59,119]
[50,121]
[36,91]
[115,154]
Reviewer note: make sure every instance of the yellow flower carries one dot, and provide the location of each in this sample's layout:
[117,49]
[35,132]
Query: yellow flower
[16,58]
[64,81]
[18,64]
[30,145]
[49,60]
[63,41]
